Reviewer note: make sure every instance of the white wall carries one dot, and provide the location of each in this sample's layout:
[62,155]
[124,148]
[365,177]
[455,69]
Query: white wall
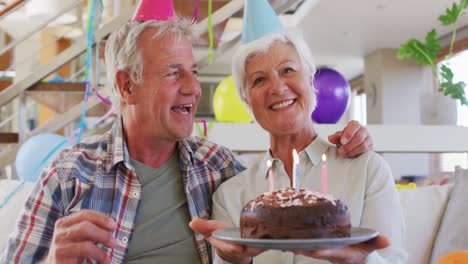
[393,91]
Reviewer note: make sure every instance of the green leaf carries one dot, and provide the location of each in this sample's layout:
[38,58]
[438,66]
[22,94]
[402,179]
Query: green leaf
[464,4]
[455,90]
[433,44]
[451,15]
[423,53]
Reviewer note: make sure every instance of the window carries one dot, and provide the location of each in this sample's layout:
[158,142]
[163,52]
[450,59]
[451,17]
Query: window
[359,107]
[459,66]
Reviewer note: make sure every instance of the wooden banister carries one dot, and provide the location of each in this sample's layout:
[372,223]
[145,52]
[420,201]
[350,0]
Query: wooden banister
[11,7]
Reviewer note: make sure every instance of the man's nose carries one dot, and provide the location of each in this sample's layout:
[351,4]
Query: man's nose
[191,85]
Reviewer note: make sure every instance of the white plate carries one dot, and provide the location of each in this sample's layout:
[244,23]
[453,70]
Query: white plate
[358,235]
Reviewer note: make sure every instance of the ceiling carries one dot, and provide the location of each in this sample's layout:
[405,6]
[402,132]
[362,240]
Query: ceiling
[341,33]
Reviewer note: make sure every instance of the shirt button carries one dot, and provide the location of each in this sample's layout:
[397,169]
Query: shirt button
[135,194]
[125,240]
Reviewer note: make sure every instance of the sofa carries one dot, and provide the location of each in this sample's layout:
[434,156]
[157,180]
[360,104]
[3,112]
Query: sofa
[436,217]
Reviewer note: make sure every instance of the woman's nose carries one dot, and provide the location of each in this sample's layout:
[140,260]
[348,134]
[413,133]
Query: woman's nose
[278,86]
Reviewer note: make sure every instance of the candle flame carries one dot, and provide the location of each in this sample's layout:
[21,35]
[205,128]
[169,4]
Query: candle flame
[295,157]
[324,157]
[269,163]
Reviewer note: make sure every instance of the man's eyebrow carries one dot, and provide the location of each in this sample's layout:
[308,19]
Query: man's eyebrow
[173,66]
[177,66]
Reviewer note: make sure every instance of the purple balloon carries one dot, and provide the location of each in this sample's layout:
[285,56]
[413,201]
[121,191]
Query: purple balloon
[332,96]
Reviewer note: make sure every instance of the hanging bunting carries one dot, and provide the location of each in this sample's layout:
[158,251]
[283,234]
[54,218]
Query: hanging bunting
[210,32]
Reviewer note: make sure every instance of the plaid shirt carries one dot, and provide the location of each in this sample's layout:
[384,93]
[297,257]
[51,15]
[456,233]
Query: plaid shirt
[97,174]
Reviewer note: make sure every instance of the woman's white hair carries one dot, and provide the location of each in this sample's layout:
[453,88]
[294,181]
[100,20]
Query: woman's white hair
[123,52]
[245,51]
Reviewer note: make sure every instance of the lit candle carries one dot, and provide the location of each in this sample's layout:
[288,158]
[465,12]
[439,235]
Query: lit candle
[324,173]
[271,180]
[295,171]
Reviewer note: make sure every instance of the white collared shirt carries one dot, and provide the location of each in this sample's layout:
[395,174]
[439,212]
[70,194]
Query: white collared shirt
[364,183]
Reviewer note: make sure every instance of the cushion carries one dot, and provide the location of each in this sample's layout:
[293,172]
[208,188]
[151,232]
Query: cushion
[457,257]
[423,209]
[12,208]
[453,232]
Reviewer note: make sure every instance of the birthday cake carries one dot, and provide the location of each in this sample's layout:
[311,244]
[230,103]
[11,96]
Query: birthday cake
[283,214]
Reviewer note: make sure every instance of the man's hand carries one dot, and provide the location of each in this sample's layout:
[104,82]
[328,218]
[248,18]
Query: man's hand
[352,141]
[76,237]
[354,254]
[234,253]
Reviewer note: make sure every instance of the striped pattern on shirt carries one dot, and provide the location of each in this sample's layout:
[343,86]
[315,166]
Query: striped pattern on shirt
[97,174]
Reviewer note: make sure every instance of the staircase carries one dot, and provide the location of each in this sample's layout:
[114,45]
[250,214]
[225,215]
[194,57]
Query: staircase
[66,97]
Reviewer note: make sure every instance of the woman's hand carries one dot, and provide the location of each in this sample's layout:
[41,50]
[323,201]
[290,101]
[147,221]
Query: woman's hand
[234,253]
[352,141]
[353,254]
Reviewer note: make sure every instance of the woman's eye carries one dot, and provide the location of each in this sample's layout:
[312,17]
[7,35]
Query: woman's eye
[258,80]
[288,70]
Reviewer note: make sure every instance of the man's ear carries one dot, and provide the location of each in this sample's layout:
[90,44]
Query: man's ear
[126,87]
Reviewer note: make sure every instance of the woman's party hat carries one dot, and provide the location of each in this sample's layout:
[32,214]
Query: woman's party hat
[259,20]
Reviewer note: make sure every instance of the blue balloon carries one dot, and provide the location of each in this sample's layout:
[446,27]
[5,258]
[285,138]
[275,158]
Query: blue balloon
[36,153]
[333,94]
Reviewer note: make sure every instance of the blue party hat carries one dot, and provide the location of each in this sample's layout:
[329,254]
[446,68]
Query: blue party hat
[259,20]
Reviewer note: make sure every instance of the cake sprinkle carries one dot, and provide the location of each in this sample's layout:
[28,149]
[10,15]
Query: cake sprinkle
[286,197]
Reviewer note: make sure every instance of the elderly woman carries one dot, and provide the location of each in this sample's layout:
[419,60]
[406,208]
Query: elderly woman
[275,78]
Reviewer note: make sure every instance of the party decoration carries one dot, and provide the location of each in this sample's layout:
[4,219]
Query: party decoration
[271,177]
[259,20]
[296,180]
[160,10]
[324,174]
[36,153]
[195,11]
[95,9]
[227,104]
[203,132]
[210,32]
[333,93]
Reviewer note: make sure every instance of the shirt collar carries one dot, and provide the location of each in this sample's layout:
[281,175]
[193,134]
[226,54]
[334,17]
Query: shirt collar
[316,149]
[313,152]
[117,147]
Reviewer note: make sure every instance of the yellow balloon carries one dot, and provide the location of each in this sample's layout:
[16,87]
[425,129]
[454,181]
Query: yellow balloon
[227,105]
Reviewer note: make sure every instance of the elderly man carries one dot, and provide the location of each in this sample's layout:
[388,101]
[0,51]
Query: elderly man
[129,195]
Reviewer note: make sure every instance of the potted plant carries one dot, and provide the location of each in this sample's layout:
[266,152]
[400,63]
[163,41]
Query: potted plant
[426,53]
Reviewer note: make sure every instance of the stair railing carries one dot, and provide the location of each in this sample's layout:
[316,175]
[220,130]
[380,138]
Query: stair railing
[74,113]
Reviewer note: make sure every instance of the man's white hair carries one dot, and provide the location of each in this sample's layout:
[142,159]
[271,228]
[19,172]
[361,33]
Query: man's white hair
[123,52]
[245,51]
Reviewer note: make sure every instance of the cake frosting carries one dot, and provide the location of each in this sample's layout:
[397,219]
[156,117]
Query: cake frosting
[283,214]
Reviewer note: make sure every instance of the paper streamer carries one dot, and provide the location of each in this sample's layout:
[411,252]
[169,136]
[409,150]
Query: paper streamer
[195,11]
[210,32]
[106,115]
[103,99]
[93,22]
[90,25]
[206,128]
[8,197]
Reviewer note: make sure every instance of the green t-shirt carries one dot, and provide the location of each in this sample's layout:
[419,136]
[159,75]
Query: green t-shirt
[162,234]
